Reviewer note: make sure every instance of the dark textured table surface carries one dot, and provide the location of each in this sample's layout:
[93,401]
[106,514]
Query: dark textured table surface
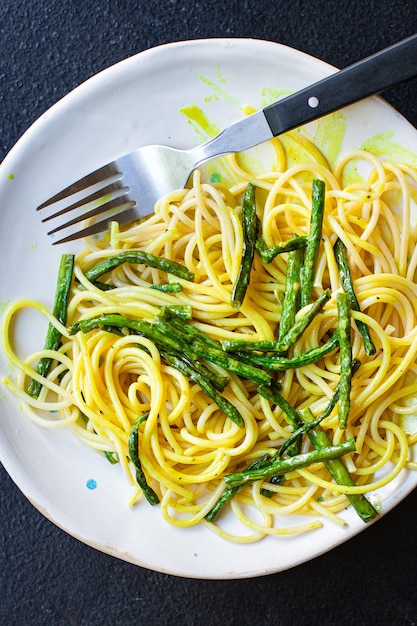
[47,47]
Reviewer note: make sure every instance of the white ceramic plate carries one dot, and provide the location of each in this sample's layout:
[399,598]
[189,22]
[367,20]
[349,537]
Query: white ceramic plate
[137,102]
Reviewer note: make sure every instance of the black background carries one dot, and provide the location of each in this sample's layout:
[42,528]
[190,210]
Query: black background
[47,47]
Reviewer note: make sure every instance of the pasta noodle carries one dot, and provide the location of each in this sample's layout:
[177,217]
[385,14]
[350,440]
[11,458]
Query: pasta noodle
[101,382]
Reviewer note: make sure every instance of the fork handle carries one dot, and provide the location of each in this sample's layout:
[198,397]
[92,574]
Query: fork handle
[387,68]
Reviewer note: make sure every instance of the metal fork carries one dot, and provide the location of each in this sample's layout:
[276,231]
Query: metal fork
[127,188]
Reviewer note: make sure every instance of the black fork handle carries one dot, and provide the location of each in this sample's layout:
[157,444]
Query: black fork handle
[372,75]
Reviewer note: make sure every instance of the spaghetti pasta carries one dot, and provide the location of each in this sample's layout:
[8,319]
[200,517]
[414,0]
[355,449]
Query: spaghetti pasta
[103,379]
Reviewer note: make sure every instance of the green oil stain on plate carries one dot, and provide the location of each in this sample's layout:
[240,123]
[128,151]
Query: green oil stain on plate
[351,174]
[201,123]
[329,136]
[409,424]
[383,145]
[218,87]
[205,128]
[3,306]
[270,95]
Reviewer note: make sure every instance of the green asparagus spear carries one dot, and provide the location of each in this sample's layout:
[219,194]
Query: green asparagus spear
[313,243]
[139,257]
[53,336]
[181,311]
[249,225]
[338,471]
[272,394]
[335,398]
[229,493]
[122,332]
[282,466]
[309,425]
[217,356]
[280,363]
[275,480]
[298,328]
[168,287]
[240,345]
[291,416]
[133,446]
[168,316]
[218,381]
[103,286]
[292,291]
[345,347]
[165,287]
[205,347]
[112,457]
[347,284]
[189,370]
[268,254]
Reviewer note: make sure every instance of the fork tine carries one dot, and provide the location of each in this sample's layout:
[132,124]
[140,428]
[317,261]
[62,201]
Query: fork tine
[115,203]
[98,176]
[125,216]
[110,190]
